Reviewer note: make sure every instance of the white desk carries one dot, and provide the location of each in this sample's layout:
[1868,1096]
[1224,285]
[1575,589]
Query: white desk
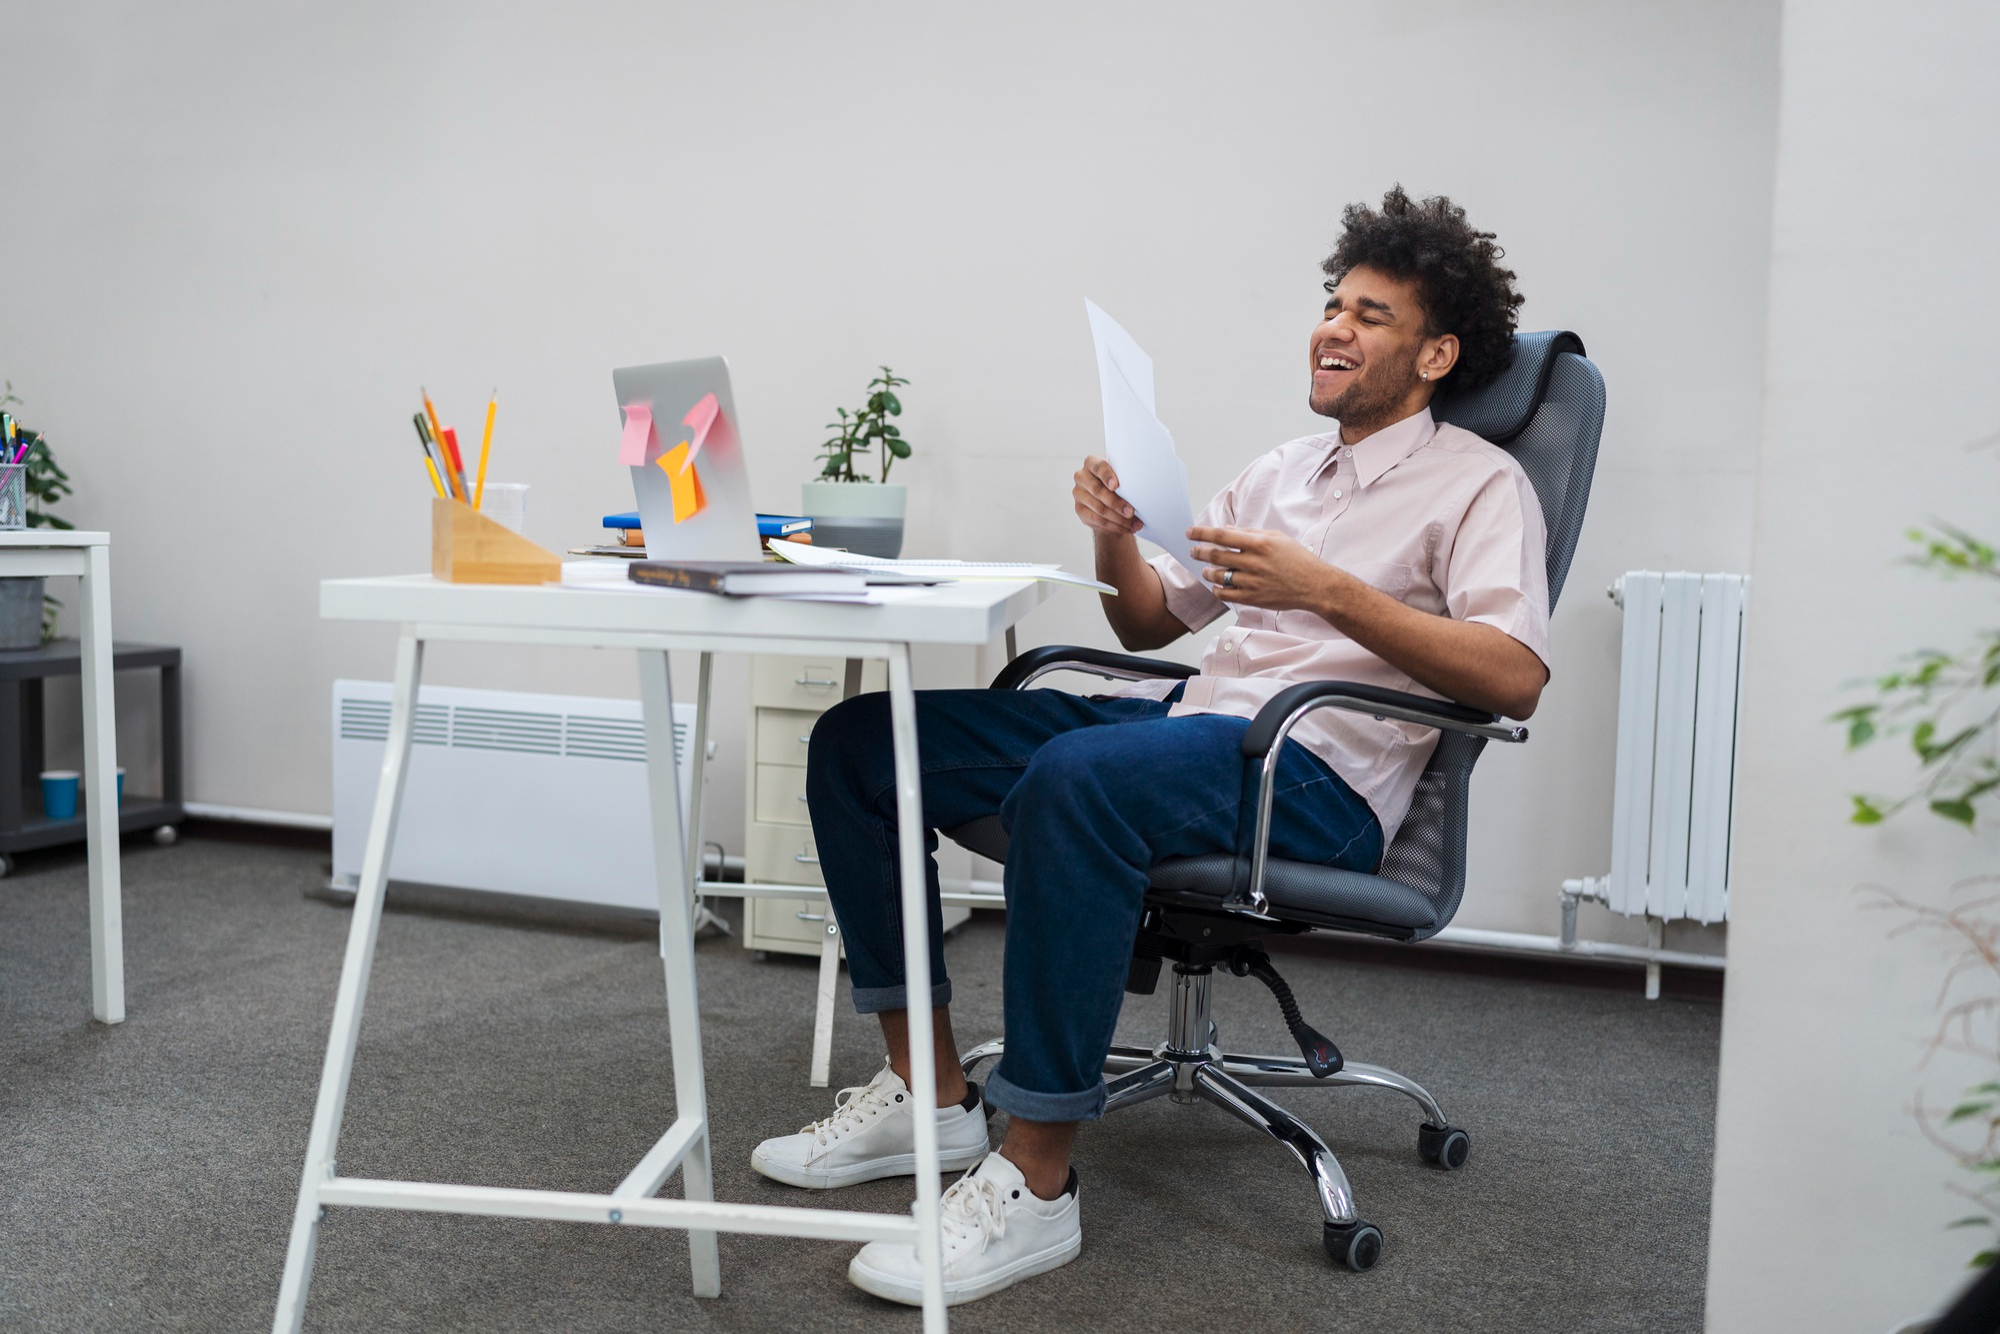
[39,552]
[651,621]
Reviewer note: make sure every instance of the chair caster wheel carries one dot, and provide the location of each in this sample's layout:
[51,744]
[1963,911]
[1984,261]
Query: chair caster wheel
[1358,1245]
[6,864]
[166,836]
[1447,1146]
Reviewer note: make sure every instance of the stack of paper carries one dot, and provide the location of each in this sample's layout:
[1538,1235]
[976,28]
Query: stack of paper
[800,553]
[1151,477]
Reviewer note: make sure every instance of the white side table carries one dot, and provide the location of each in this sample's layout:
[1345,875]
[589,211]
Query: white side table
[37,552]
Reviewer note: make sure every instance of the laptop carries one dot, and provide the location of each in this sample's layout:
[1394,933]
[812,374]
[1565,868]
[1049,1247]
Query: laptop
[723,526]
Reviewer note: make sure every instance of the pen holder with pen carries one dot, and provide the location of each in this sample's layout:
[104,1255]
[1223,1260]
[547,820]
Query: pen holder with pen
[14,496]
[467,547]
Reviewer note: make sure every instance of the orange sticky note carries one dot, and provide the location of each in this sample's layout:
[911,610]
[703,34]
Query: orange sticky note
[686,483]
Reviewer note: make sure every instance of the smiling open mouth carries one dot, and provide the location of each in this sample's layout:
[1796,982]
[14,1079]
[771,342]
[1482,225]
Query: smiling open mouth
[1332,362]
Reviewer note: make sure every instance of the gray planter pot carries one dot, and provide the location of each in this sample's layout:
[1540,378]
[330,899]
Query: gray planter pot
[20,613]
[861,516]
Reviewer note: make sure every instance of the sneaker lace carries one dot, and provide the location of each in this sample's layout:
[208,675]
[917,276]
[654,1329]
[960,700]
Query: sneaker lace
[972,1207]
[851,1108]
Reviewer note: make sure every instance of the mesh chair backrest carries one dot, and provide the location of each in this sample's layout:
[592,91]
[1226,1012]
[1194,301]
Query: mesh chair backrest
[1547,410]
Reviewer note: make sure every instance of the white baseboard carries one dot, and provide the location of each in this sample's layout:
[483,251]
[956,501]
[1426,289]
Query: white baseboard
[203,810]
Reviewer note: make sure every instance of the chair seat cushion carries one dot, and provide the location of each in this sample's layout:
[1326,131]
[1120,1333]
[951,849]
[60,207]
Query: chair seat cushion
[984,836]
[1301,892]
[1298,891]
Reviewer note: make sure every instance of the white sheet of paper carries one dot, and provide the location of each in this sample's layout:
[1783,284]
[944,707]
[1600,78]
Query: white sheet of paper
[1151,477]
[803,553]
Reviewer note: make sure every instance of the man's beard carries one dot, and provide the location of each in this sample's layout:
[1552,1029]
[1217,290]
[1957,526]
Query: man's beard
[1374,400]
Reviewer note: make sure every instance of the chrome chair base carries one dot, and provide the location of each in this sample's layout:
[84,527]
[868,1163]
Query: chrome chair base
[1190,1067]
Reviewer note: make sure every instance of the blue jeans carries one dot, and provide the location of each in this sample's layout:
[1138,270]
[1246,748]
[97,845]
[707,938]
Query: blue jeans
[1092,792]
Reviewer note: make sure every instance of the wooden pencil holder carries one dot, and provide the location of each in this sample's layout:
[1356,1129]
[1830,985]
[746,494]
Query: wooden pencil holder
[469,548]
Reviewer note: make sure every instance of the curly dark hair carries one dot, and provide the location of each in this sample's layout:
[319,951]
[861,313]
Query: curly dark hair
[1455,267]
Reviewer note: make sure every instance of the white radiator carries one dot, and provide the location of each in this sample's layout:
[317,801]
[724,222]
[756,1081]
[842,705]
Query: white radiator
[1680,677]
[541,795]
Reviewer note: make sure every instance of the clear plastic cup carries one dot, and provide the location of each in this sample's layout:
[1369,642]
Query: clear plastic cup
[506,503]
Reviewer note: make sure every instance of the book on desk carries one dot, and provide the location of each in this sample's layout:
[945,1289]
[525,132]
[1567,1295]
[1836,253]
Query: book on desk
[746,578]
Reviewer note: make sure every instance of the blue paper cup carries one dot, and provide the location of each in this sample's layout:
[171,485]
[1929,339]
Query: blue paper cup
[59,788]
[121,787]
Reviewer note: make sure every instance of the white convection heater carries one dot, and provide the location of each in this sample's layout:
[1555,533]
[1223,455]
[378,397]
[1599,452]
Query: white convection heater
[1680,680]
[517,793]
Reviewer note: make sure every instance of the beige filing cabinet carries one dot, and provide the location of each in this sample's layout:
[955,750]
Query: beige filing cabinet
[787,696]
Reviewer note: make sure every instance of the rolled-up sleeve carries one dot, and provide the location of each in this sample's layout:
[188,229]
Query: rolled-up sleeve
[1189,598]
[1495,573]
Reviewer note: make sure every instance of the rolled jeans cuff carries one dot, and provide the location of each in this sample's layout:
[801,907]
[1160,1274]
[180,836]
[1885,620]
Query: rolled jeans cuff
[1031,1106]
[874,1000]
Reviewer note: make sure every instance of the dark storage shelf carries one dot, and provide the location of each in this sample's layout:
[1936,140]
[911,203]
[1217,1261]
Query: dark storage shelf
[64,657]
[137,813]
[22,672]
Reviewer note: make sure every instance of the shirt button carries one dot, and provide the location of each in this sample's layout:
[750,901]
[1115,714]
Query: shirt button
[1336,493]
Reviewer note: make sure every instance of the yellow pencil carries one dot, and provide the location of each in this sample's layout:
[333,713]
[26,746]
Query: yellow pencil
[479,487]
[437,433]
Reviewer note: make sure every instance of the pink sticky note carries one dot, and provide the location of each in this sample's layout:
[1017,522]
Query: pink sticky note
[703,419]
[638,434]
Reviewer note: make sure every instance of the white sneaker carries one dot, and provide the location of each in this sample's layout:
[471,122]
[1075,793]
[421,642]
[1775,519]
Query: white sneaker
[871,1134]
[996,1233]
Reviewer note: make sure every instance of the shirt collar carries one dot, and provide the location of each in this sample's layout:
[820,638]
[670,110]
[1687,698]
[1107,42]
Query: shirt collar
[1391,445]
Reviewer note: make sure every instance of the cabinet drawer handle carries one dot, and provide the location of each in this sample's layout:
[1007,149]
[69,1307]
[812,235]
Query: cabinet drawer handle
[806,739]
[813,684]
[804,859]
[810,916]
[802,796]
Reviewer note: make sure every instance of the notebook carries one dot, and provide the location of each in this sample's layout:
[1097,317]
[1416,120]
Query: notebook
[744,578]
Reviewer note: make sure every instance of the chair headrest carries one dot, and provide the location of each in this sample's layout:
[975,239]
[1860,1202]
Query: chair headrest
[1502,410]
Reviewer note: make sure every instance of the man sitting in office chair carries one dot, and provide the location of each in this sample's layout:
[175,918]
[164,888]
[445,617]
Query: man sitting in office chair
[1391,550]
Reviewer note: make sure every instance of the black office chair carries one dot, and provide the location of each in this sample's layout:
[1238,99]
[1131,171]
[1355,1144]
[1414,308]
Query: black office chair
[1547,410]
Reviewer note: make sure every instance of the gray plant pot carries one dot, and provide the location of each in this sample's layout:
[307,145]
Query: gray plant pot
[20,613]
[861,516]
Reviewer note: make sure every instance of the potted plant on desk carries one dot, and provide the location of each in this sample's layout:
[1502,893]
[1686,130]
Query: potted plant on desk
[848,508]
[30,482]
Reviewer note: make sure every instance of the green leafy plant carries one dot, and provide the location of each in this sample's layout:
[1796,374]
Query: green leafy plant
[866,428]
[1969,1024]
[1947,704]
[46,484]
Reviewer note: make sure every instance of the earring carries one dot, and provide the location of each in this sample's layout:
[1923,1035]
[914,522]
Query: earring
[1425,375]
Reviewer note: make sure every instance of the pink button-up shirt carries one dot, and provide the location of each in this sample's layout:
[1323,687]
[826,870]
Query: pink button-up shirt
[1433,516]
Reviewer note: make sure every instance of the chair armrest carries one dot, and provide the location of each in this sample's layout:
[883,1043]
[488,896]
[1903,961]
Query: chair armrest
[1284,709]
[1037,662]
[1275,720]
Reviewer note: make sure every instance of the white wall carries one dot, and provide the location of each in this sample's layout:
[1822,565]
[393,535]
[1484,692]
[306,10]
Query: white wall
[1830,1206]
[238,237]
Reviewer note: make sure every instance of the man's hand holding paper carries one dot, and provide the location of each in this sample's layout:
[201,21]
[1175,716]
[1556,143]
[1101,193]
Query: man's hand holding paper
[1097,500]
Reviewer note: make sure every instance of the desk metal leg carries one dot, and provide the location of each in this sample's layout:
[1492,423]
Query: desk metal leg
[670,859]
[100,777]
[698,758]
[829,987]
[353,992]
[829,949]
[917,978]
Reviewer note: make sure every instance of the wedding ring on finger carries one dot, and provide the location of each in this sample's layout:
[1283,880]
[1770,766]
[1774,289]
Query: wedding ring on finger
[1229,578]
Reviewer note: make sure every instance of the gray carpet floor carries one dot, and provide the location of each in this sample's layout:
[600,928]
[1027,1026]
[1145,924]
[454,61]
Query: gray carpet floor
[148,1171]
